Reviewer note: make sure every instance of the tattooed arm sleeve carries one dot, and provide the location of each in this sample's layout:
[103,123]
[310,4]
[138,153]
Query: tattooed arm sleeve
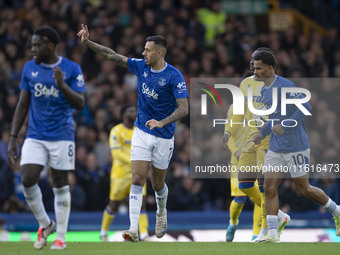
[107,53]
[179,113]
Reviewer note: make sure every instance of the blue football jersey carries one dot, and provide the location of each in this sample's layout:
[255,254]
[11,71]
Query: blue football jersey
[157,94]
[294,139]
[50,114]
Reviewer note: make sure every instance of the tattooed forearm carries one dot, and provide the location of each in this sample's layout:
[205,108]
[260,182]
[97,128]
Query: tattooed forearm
[179,113]
[107,53]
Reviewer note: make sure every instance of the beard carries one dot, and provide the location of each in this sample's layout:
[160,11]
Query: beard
[40,59]
[132,119]
[37,60]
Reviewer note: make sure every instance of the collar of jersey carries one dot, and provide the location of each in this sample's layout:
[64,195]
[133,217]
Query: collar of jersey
[53,65]
[158,71]
[272,83]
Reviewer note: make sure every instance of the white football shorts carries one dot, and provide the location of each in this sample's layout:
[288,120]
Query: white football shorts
[146,147]
[295,163]
[59,155]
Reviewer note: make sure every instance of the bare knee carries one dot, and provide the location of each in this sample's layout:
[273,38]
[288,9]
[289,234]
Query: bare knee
[157,186]
[59,178]
[113,205]
[28,181]
[30,175]
[269,189]
[138,179]
[139,172]
[303,191]
[158,178]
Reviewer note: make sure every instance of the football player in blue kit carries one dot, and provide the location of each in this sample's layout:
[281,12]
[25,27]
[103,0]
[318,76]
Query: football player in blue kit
[162,101]
[288,146]
[51,88]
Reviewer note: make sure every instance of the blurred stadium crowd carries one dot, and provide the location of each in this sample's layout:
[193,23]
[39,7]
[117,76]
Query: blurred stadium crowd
[203,41]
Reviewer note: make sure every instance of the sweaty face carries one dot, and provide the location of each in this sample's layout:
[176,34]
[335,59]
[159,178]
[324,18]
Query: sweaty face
[40,50]
[150,53]
[261,70]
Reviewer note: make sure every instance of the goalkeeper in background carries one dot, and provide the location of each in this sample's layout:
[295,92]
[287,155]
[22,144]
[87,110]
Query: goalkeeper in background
[121,175]
[235,144]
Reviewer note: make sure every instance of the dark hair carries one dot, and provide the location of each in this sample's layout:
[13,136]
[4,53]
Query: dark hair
[49,32]
[265,49]
[158,39]
[124,108]
[267,58]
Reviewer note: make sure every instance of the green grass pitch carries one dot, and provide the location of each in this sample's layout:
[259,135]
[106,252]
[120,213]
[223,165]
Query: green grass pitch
[175,248]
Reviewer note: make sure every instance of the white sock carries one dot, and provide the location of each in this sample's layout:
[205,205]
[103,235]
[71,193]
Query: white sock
[135,205]
[161,198]
[280,214]
[34,200]
[103,232]
[272,222]
[332,207]
[62,208]
[263,232]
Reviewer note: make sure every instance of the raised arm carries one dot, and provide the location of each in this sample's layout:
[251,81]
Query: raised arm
[106,52]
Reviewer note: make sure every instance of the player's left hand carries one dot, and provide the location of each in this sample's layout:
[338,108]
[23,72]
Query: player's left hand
[278,130]
[58,76]
[154,124]
[12,151]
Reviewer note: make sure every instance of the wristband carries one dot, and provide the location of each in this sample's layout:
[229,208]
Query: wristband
[15,136]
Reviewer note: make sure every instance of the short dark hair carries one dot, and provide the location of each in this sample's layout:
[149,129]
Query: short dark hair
[267,58]
[265,49]
[51,34]
[158,39]
[124,108]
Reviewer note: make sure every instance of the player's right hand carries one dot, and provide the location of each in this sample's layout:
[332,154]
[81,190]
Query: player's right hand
[83,33]
[258,138]
[12,151]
